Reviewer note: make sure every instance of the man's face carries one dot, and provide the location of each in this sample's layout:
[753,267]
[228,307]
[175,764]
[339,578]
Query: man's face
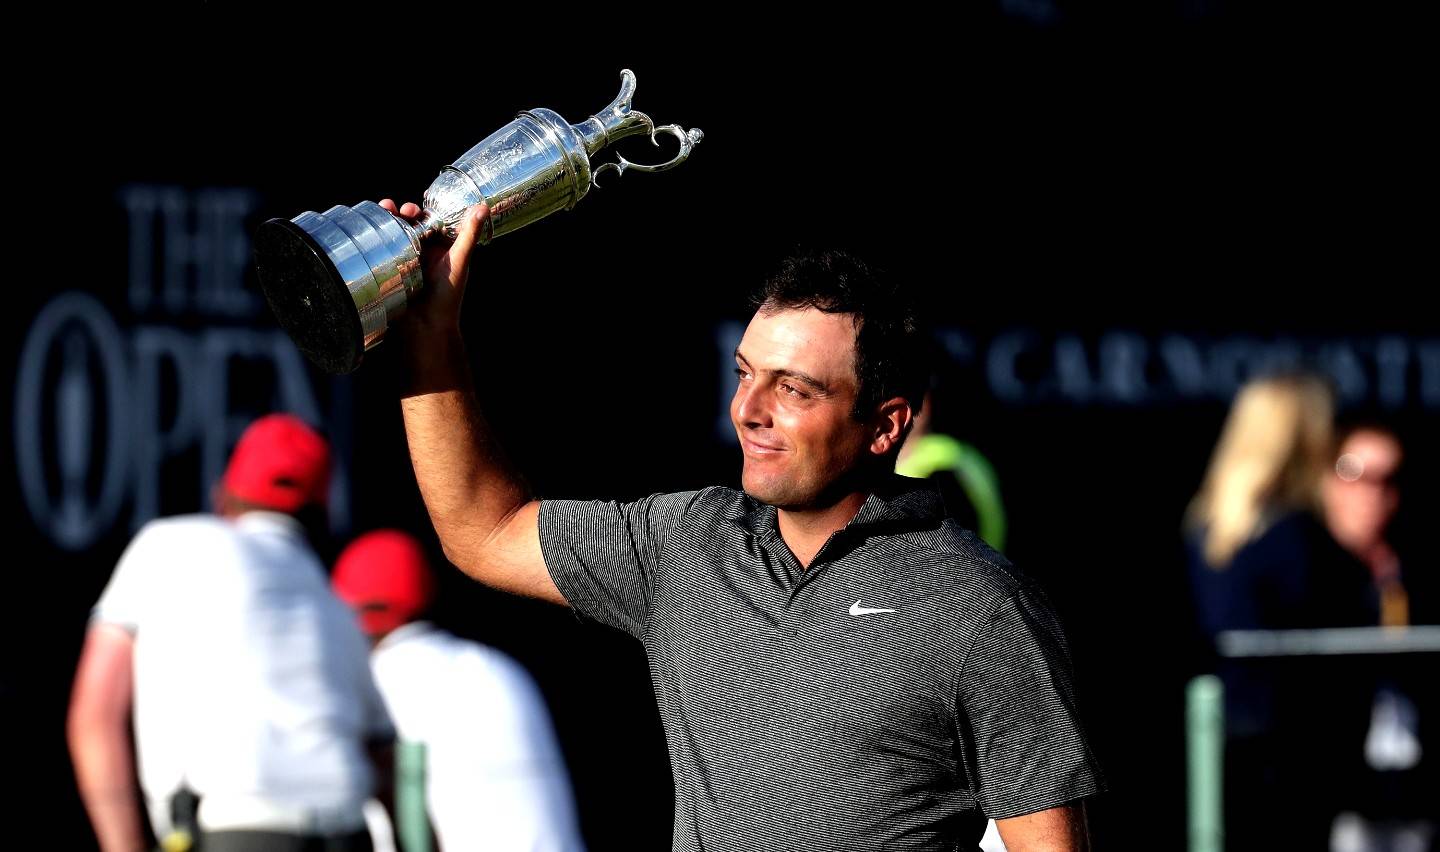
[792,407]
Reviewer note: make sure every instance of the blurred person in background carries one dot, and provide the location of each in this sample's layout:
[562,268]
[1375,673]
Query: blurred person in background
[1260,559]
[249,682]
[494,775]
[965,478]
[1362,500]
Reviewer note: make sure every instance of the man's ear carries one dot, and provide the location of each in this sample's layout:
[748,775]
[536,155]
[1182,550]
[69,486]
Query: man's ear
[892,422]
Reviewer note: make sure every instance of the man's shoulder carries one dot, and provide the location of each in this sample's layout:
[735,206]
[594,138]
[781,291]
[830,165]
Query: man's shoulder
[709,499]
[716,509]
[954,558]
[439,657]
[719,501]
[199,521]
[419,650]
[182,531]
[709,505]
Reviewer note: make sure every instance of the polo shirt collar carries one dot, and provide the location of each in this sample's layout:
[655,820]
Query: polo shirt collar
[899,501]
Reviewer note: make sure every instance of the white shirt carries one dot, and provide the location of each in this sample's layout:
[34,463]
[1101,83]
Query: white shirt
[251,679]
[495,776]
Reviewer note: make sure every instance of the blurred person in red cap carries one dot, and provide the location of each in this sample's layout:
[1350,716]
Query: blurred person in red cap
[495,778]
[248,681]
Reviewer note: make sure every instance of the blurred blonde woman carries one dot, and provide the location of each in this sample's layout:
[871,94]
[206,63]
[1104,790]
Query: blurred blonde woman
[1260,559]
[1270,461]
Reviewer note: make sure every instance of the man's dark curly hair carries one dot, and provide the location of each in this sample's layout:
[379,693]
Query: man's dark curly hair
[890,351]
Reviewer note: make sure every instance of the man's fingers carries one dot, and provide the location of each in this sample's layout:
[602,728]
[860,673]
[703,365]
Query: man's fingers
[465,241]
[408,210]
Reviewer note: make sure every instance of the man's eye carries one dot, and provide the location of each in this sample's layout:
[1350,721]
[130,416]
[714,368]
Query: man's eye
[742,374]
[791,390]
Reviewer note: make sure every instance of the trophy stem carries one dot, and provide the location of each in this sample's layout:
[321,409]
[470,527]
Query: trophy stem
[425,224]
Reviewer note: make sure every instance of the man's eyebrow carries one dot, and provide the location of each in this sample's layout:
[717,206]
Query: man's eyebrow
[814,383]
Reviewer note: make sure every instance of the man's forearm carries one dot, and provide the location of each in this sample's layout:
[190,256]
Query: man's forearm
[97,729]
[470,488]
[104,773]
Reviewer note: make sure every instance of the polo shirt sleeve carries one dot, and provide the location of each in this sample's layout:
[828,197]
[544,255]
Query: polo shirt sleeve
[1017,698]
[602,555]
[135,583]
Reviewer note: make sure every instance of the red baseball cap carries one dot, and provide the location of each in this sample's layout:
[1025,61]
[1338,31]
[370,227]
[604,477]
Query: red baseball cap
[383,575]
[279,463]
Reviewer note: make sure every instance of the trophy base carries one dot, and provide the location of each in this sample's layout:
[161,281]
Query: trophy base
[308,296]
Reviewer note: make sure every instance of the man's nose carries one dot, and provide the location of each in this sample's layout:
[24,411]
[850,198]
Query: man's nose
[750,406]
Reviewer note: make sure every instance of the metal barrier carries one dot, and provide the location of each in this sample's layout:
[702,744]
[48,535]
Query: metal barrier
[1205,705]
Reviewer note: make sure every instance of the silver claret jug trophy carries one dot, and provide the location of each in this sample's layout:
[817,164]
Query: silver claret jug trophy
[336,280]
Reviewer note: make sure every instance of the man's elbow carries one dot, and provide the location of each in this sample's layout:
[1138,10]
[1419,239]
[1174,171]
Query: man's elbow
[465,553]
[479,551]
[466,540]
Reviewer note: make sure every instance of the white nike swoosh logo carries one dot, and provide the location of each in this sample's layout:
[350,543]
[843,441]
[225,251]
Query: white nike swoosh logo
[857,609]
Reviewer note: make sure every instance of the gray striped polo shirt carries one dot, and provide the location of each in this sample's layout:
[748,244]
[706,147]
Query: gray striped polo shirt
[906,686]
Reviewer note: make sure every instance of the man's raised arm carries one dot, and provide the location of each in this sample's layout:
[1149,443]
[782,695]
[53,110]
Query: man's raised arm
[478,502]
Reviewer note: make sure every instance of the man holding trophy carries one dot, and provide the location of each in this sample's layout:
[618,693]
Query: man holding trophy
[837,664]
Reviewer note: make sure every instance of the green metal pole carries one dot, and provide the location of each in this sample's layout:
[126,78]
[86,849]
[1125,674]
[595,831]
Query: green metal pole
[1205,760]
[412,824]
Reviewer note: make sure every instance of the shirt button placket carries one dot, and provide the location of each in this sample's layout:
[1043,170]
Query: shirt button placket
[776,549]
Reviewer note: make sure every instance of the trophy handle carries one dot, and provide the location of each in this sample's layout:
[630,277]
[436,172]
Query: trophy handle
[688,140]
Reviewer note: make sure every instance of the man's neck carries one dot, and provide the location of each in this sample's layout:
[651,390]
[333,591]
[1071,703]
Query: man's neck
[805,531]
